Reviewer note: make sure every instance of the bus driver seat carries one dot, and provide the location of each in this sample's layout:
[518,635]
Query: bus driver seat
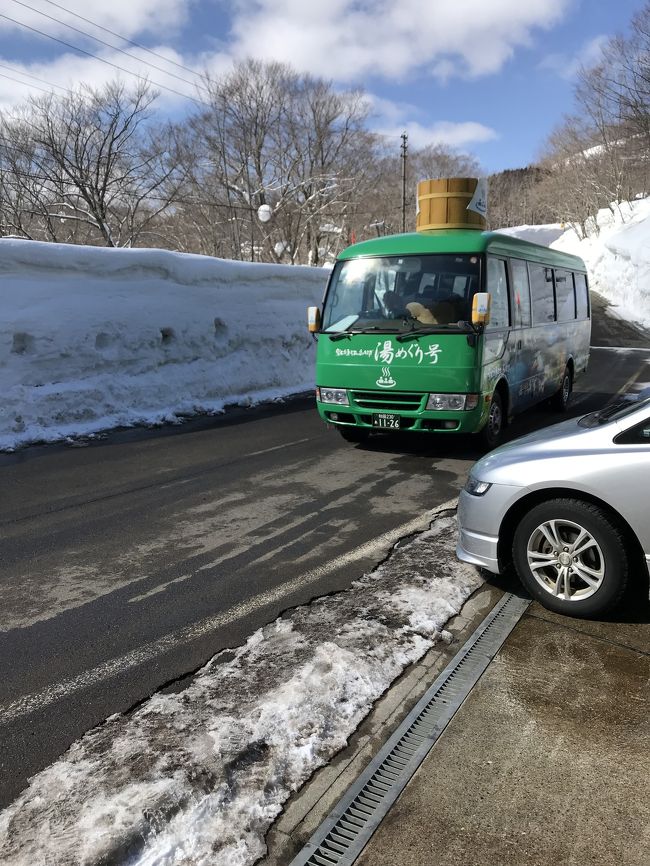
[421,313]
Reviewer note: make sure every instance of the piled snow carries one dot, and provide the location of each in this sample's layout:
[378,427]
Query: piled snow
[618,258]
[544,234]
[94,338]
[616,252]
[199,777]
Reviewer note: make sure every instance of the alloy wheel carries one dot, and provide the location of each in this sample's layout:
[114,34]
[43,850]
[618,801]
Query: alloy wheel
[565,560]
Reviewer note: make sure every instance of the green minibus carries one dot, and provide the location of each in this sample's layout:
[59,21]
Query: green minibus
[448,331]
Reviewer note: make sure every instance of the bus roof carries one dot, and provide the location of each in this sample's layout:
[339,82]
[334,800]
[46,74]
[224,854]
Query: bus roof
[461,241]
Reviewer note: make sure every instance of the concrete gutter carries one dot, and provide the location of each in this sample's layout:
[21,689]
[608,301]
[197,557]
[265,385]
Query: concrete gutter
[309,806]
[547,762]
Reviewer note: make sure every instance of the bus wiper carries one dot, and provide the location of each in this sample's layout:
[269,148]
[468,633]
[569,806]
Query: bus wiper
[419,332]
[371,329]
[465,327]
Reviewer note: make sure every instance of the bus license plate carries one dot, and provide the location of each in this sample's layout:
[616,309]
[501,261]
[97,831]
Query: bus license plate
[386,420]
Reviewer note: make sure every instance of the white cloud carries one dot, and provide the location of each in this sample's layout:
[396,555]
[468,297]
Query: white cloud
[457,135]
[127,17]
[392,119]
[352,40]
[349,41]
[567,67]
[69,70]
[134,19]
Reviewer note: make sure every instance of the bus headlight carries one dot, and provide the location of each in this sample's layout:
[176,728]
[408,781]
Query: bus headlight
[452,402]
[333,395]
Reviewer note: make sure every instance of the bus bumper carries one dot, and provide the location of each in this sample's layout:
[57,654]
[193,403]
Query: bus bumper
[422,421]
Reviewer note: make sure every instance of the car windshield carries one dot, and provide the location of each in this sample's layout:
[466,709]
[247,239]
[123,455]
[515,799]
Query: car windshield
[402,293]
[615,411]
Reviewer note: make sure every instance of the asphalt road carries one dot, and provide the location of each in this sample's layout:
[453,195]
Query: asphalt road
[128,563]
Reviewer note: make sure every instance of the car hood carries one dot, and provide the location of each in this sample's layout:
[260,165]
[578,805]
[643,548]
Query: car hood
[562,440]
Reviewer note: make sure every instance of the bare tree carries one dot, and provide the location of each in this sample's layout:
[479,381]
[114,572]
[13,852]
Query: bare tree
[598,157]
[91,160]
[274,137]
[239,141]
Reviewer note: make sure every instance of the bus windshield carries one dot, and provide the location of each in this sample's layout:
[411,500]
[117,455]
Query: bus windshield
[398,293]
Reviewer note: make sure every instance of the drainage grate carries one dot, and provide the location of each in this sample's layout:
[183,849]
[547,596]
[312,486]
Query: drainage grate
[343,834]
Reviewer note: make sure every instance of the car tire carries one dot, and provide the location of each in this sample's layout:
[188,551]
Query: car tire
[354,434]
[591,571]
[492,433]
[560,400]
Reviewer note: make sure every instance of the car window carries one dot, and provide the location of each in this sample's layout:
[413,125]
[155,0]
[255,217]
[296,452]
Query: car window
[637,435]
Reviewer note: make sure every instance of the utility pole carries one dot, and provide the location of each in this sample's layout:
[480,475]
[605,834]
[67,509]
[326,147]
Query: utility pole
[404,148]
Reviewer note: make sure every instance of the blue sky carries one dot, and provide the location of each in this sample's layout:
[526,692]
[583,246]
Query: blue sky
[491,77]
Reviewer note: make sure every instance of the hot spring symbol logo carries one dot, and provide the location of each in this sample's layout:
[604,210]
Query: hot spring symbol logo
[386,380]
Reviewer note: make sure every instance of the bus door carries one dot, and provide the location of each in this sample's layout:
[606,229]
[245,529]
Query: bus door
[498,360]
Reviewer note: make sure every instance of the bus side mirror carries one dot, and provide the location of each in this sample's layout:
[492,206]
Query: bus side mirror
[481,308]
[313,319]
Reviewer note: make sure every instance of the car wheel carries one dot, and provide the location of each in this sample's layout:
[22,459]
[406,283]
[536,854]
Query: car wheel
[560,400]
[354,434]
[571,556]
[492,433]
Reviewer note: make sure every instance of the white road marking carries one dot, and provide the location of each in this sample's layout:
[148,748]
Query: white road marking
[276,447]
[241,457]
[160,588]
[28,704]
[622,348]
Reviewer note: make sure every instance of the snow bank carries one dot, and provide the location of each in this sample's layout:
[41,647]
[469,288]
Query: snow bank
[93,338]
[199,777]
[618,258]
[616,252]
[544,234]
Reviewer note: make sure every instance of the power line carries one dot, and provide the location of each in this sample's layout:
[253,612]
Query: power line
[102,60]
[17,81]
[28,75]
[123,38]
[101,42]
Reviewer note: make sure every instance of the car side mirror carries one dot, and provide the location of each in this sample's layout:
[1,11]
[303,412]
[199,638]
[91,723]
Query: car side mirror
[313,319]
[481,308]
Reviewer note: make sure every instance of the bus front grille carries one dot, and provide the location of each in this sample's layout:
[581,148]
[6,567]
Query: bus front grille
[384,402]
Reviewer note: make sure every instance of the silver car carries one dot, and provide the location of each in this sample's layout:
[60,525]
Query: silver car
[568,507]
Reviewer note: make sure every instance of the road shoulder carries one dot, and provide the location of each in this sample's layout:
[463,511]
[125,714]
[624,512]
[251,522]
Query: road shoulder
[312,803]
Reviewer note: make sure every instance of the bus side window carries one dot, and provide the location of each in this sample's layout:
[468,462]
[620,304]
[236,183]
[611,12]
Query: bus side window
[497,286]
[541,290]
[582,296]
[520,294]
[564,296]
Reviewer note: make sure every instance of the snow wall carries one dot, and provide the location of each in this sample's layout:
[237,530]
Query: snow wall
[617,255]
[94,338]
[616,252]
